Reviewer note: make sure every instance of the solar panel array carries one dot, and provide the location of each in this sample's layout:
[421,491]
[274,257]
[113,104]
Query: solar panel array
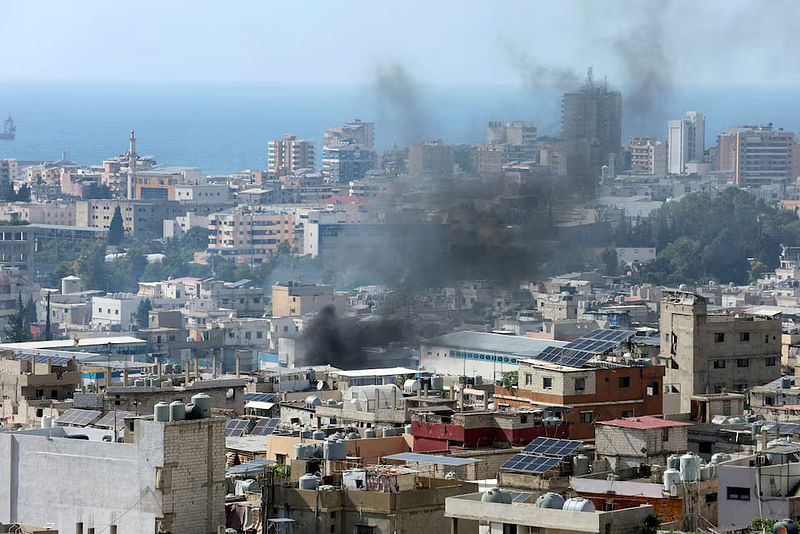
[784,429]
[578,352]
[77,417]
[260,397]
[236,428]
[530,464]
[107,421]
[522,497]
[39,358]
[552,447]
[265,426]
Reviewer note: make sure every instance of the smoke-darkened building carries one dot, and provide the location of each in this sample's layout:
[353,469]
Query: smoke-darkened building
[593,114]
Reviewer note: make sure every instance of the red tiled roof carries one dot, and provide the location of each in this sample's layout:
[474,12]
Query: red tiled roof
[644,422]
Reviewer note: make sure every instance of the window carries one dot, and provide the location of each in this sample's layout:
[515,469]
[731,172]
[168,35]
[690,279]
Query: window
[770,361]
[363,529]
[624,381]
[743,362]
[586,417]
[627,413]
[665,434]
[580,384]
[711,497]
[719,364]
[528,379]
[766,338]
[738,494]
[744,336]
[719,337]
[547,382]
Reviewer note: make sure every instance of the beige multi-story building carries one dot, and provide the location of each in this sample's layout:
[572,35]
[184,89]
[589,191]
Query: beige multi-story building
[249,236]
[712,353]
[430,157]
[296,298]
[287,155]
[138,216]
[757,155]
[648,156]
[9,170]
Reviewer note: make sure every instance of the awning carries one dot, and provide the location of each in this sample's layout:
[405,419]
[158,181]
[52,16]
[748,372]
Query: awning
[259,405]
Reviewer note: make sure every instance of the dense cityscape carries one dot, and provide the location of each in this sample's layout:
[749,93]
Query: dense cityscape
[557,330]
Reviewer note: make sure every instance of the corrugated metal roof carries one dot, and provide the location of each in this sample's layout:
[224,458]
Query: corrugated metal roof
[486,342]
[644,422]
[431,459]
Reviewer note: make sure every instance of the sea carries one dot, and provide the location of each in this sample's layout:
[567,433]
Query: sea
[224,127]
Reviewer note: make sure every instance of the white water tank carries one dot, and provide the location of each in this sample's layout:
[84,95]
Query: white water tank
[580,465]
[177,411]
[161,412]
[578,504]
[369,432]
[308,482]
[673,462]
[411,385]
[47,421]
[312,401]
[318,435]
[671,478]
[720,457]
[496,495]
[690,467]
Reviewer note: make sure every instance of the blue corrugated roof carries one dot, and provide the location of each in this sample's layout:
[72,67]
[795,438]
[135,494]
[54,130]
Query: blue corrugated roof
[430,459]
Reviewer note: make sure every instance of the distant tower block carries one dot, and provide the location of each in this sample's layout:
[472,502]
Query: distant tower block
[131,164]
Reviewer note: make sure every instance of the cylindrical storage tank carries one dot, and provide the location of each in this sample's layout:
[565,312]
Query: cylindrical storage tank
[161,412]
[671,478]
[705,472]
[251,486]
[690,467]
[335,450]
[786,382]
[318,435]
[407,429]
[550,500]
[496,495]
[312,401]
[352,435]
[580,465]
[411,385]
[139,383]
[301,451]
[369,432]
[336,436]
[673,462]
[316,450]
[306,434]
[191,411]
[202,403]
[308,482]
[437,383]
[578,504]
[332,402]
[387,431]
[47,421]
[177,411]
[784,526]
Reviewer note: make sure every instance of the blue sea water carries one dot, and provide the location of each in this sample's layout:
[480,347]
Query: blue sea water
[225,127]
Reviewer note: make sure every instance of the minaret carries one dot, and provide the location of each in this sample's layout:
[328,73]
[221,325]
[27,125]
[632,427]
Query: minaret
[131,164]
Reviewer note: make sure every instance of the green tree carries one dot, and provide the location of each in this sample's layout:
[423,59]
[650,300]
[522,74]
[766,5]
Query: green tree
[142,319]
[610,261]
[116,231]
[23,193]
[16,330]
[91,267]
[510,379]
[30,311]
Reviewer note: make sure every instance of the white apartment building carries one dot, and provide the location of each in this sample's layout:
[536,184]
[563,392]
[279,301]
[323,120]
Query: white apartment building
[115,312]
[686,140]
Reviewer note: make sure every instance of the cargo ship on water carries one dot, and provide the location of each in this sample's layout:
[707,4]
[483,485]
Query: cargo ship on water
[9,130]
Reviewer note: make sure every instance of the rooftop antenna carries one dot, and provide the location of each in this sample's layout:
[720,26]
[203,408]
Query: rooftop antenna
[131,164]
[589,82]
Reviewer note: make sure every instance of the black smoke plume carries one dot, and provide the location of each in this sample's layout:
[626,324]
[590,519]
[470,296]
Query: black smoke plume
[398,97]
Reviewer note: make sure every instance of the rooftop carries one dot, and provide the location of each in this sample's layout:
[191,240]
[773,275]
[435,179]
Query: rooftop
[525,346]
[386,371]
[643,423]
[82,343]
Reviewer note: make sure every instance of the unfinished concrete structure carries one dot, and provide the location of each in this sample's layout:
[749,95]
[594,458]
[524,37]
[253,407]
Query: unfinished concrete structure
[626,444]
[710,353]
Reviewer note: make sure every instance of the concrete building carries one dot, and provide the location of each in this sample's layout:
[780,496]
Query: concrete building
[346,161]
[478,354]
[709,353]
[242,296]
[13,286]
[593,115]
[473,510]
[138,216]
[648,156]
[358,131]
[158,183]
[202,193]
[164,478]
[226,394]
[583,396]
[686,141]
[289,154]
[292,299]
[757,155]
[432,157]
[759,485]
[627,443]
[31,387]
[16,247]
[115,312]
[9,170]
[249,235]
[373,502]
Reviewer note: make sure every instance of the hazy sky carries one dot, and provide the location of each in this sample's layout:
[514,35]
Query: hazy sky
[469,41]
